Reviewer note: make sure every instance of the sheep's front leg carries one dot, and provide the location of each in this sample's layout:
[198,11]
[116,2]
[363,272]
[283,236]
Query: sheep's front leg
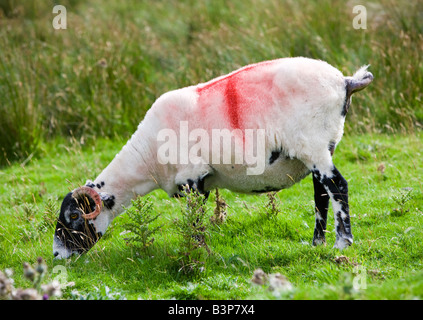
[194,176]
[321,199]
[337,188]
[196,186]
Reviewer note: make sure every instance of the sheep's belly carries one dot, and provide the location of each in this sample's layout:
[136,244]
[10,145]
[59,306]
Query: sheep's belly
[281,174]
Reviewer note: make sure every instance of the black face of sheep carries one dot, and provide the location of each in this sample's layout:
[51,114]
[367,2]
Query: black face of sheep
[75,232]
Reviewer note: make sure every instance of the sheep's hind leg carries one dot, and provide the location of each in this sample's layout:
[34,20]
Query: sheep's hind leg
[337,188]
[321,199]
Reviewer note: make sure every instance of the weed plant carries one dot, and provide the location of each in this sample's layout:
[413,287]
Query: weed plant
[272,206]
[141,233]
[192,229]
[220,212]
[401,198]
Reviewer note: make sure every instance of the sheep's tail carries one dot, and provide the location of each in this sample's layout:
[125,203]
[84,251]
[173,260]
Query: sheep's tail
[358,81]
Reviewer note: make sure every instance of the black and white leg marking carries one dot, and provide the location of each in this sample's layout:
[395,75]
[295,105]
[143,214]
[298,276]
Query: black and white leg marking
[321,199]
[337,189]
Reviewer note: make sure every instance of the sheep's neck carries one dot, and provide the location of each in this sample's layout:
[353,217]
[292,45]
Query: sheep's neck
[127,176]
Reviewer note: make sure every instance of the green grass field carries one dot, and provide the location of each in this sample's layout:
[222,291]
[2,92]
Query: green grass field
[388,232]
[70,99]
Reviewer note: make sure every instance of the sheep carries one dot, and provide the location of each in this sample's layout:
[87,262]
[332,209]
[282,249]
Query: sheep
[279,120]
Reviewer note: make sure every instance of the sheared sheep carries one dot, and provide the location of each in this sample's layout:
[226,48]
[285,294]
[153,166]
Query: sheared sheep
[279,121]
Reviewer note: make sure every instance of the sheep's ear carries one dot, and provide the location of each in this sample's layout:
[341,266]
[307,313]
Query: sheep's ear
[90,184]
[108,200]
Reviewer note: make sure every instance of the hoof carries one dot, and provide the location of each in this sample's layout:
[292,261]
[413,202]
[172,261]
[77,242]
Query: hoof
[342,243]
[319,241]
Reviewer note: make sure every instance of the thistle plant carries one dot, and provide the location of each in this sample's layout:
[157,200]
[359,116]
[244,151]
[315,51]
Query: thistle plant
[37,291]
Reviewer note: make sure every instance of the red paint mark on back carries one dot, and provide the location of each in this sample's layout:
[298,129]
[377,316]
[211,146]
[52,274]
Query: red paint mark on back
[232,105]
[239,95]
[224,78]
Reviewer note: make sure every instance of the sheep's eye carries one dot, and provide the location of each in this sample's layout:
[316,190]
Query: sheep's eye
[74,216]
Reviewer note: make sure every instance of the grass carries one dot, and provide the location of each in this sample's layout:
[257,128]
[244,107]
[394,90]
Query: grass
[101,74]
[70,99]
[386,247]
